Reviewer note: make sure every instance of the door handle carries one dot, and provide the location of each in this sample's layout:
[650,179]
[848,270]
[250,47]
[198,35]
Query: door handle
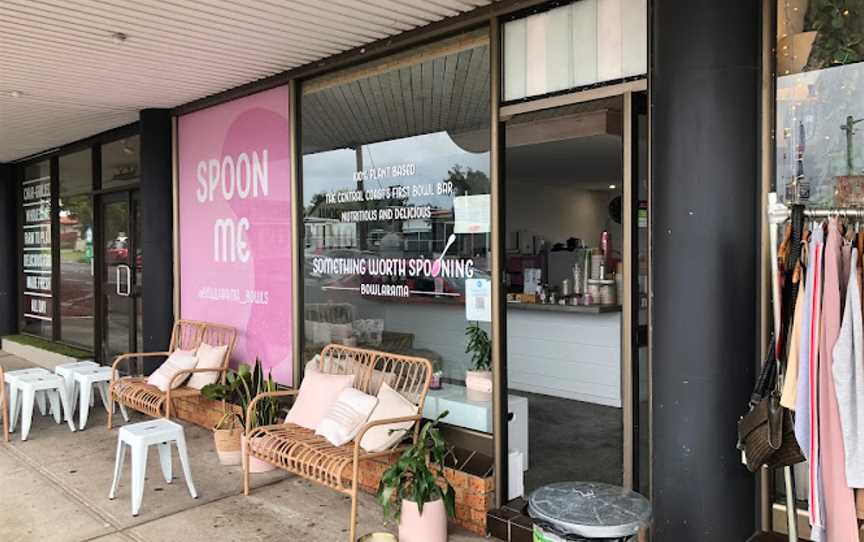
[128,291]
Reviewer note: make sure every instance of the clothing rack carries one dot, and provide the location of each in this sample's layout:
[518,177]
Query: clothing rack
[779,213]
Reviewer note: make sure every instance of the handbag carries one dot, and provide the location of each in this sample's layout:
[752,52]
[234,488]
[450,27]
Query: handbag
[766,432]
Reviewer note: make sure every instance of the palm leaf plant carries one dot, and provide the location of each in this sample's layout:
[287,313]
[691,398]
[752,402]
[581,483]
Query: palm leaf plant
[240,387]
[418,475]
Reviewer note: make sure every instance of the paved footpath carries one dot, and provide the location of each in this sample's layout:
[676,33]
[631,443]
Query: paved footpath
[54,487]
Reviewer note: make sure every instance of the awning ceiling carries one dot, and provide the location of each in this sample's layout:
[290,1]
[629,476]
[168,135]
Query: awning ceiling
[66,72]
[444,86]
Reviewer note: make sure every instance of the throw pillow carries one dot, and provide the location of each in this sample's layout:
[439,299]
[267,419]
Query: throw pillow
[317,393]
[346,416]
[176,362]
[209,357]
[391,404]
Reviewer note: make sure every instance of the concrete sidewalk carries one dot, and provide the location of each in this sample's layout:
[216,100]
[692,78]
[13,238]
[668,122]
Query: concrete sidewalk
[54,487]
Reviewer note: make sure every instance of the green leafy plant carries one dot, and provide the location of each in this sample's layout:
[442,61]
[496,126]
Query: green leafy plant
[479,346]
[418,475]
[240,387]
[840,37]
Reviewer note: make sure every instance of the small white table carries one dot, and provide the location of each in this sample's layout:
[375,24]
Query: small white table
[85,379]
[139,437]
[476,414]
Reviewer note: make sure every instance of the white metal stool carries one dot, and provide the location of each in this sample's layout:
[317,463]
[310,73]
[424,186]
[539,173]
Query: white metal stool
[67,371]
[28,387]
[9,380]
[85,379]
[139,437]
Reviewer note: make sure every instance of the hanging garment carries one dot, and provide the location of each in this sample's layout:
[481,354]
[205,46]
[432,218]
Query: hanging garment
[790,380]
[817,506]
[835,502]
[848,372]
[808,349]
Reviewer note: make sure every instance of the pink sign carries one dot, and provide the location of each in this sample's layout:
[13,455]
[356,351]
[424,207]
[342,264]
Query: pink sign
[235,224]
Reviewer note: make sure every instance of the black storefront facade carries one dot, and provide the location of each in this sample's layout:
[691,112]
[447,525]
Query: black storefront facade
[701,114]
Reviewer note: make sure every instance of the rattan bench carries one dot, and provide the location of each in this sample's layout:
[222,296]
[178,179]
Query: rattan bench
[136,393]
[301,452]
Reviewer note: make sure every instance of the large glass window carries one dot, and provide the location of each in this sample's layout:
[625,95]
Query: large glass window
[37,292]
[820,92]
[397,213]
[77,301]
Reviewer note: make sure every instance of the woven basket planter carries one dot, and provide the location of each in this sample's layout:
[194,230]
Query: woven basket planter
[228,445]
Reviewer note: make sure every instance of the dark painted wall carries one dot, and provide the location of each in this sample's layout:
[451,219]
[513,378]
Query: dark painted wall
[705,83]
[8,252]
[157,228]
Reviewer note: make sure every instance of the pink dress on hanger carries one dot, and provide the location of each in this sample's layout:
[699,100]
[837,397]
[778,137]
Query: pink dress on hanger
[838,500]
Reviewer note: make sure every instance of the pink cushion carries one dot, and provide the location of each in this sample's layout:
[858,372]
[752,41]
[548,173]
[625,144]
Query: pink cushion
[317,394]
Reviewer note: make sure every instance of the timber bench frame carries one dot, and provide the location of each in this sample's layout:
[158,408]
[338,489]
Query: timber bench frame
[136,393]
[301,452]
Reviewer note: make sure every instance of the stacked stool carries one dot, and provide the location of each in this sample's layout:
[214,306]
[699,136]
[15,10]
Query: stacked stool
[139,437]
[85,379]
[23,392]
[67,371]
[9,380]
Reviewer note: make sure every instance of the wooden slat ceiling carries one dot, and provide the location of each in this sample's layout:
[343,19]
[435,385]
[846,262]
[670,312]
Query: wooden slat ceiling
[64,77]
[444,86]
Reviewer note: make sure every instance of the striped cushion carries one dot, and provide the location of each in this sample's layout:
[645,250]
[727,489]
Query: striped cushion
[346,416]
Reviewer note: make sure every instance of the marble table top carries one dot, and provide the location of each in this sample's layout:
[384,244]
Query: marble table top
[590,509]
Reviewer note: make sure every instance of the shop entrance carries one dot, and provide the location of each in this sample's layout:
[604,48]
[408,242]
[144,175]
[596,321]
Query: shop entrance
[575,217]
[122,262]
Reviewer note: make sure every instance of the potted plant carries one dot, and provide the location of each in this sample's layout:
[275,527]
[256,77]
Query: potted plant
[240,387]
[478,381]
[414,490]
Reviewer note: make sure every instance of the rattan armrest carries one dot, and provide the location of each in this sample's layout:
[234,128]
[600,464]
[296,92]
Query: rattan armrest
[415,418]
[251,408]
[125,357]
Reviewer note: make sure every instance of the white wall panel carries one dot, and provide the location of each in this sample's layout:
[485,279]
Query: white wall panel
[610,42]
[584,32]
[635,61]
[583,43]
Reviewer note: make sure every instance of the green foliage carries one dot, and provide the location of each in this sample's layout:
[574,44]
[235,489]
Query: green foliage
[418,475]
[479,346]
[840,27]
[240,388]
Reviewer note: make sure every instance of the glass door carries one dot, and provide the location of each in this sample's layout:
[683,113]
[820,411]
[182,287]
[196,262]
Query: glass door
[121,266]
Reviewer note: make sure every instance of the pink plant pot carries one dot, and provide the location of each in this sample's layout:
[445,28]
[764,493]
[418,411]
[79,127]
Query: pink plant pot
[256,466]
[431,526]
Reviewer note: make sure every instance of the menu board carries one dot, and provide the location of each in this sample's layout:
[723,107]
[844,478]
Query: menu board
[36,253]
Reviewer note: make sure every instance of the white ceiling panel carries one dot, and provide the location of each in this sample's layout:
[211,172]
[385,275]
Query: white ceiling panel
[64,76]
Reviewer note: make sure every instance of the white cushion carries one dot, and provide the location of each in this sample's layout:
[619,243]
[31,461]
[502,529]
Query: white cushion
[391,404]
[318,392]
[346,416]
[176,362]
[209,357]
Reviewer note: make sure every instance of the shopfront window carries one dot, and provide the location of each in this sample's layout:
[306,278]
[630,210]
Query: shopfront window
[37,291]
[820,92]
[77,302]
[397,212]
[120,162]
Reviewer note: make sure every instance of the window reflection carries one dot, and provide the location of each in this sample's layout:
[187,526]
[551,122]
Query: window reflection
[77,303]
[820,102]
[396,194]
